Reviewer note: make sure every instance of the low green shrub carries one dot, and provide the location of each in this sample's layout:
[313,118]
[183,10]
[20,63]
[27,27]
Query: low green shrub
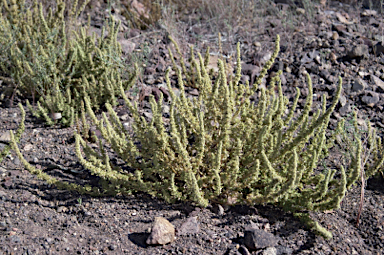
[55,67]
[221,147]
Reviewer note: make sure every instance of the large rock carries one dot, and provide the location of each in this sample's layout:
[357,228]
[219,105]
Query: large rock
[270,251]
[371,98]
[378,82]
[358,51]
[256,239]
[190,226]
[162,232]
[5,137]
[359,85]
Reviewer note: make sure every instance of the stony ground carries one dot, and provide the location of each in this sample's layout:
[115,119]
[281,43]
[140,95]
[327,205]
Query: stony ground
[326,40]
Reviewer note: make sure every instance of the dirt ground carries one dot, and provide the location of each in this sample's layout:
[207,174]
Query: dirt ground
[327,40]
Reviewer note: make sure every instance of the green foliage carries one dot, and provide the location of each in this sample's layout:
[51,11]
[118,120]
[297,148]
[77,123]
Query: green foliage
[19,132]
[46,62]
[221,147]
[372,157]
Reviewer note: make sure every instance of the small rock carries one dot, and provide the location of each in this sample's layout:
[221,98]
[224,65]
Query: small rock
[345,110]
[162,232]
[371,98]
[16,161]
[55,116]
[124,117]
[2,146]
[150,71]
[337,115]
[269,251]
[288,69]
[343,100]
[283,250]
[359,85]
[362,74]
[165,108]
[376,37]
[378,49]
[161,66]
[326,44]
[15,239]
[176,91]
[283,79]
[306,59]
[358,51]
[2,171]
[5,137]
[327,76]
[256,239]
[190,226]
[218,209]
[234,250]
[300,10]
[28,147]
[156,93]
[344,18]
[150,80]
[378,81]
[164,90]
[148,115]
[339,27]
[245,78]
[195,212]
[62,209]
[290,2]
[127,47]
[333,57]
[243,250]
[362,123]
[335,35]
[194,92]
[369,13]
[112,247]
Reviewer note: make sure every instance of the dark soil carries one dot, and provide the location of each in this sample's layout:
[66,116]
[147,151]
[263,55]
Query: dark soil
[327,41]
